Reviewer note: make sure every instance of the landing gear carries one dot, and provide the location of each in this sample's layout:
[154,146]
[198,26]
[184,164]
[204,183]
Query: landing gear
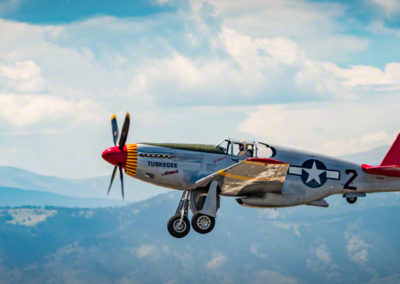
[178,228]
[179,225]
[351,197]
[351,200]
[203,223]
[204,206]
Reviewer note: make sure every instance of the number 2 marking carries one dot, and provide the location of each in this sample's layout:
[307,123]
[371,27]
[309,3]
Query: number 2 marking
[351,179]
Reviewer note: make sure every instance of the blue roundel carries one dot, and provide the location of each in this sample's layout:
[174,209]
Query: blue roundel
[313,173]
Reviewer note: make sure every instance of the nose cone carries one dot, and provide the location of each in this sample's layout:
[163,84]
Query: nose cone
[115,156]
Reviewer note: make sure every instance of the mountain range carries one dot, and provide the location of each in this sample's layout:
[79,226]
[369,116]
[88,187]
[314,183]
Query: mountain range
[130,244]
[93,190]
[340,244]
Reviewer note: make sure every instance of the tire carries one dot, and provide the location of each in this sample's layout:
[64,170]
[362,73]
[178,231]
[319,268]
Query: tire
[202,223]
[351,200]
[173,228]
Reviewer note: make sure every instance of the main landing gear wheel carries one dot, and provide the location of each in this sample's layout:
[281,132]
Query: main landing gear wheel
[202,223]
[351,200]
[177,227]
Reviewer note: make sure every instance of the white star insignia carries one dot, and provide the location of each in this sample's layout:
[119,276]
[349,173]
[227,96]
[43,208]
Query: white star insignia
[314,173]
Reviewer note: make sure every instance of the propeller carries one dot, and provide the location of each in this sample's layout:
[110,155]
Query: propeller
[121,144]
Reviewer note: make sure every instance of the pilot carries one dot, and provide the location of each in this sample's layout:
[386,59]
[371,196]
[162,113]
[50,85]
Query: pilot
[244,152]
[241,150]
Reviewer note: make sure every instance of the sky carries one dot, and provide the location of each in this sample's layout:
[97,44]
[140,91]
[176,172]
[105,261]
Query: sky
[322,76]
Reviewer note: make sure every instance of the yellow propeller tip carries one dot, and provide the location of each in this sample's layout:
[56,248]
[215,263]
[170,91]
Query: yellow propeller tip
[113,117]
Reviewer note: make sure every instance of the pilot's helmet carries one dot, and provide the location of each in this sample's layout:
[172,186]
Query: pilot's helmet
[241,147]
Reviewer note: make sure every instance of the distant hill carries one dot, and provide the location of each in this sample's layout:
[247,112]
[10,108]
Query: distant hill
[371,157]
[341,244]
[95,187]
[19,197]
[130,244]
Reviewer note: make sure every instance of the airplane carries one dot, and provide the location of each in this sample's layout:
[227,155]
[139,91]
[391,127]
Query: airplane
[259,175]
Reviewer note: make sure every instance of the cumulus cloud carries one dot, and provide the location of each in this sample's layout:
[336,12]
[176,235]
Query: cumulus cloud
[29,110]
[320,261]
[357,249]
[313,25]
[217,260]
[145,250]
[334,128]
[180,65]
[255,249]
[390,7]
[323,254]
[22,76]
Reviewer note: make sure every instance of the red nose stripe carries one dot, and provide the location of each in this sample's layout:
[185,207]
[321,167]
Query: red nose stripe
[131,160]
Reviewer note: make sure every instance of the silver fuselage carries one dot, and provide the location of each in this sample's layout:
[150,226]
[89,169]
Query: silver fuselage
[179,169]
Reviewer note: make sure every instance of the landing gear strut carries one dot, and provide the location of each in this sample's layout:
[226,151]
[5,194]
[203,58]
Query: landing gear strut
[179,225]
[204,212]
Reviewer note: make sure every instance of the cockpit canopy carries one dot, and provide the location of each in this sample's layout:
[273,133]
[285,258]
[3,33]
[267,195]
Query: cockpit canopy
[246,148]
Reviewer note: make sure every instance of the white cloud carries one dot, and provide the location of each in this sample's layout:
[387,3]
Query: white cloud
[380,28]
[234,53]
[362,75]
[216,261]
[323,254]
[332,128]
[357,249]
[272,214]
[23,76]
[390,7]
[286,17]
[29,110]
[255,249]
[321,262]
[145,250]
[313,25]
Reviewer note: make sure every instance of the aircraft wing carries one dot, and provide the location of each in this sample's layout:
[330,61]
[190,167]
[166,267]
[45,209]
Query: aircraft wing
[249,177]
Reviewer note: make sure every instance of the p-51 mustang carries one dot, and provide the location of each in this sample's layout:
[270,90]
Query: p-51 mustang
[257,174]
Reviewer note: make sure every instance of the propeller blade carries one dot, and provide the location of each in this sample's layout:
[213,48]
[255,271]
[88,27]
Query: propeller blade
[114,127]
[122,181]
[124,133]
[112,179]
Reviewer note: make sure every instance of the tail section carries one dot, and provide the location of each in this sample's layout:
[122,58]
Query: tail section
[393,156]
[390,165]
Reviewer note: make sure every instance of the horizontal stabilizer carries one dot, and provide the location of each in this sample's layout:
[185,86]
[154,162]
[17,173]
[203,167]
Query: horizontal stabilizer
[319,203]
[390,171]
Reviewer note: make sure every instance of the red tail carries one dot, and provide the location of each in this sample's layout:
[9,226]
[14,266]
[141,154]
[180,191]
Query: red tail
[390,165]
[393,156]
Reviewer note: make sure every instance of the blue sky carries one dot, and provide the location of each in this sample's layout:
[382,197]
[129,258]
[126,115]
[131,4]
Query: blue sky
[316,75]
